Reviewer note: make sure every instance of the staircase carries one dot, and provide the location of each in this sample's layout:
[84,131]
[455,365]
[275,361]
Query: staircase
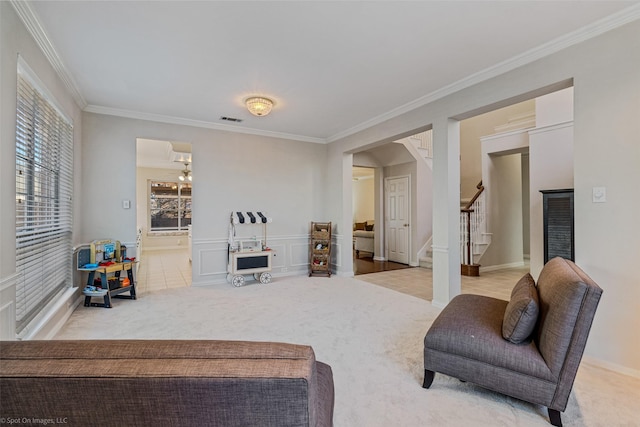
[424,144]
[421,146]
[474,239]
[425,255]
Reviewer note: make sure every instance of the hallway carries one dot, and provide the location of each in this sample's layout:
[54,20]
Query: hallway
[163,269]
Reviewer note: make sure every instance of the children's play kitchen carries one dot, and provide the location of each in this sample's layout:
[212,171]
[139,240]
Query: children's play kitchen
[107,258]
[248,255]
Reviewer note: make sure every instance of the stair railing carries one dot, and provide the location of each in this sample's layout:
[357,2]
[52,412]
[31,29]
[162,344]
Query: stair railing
[472,222]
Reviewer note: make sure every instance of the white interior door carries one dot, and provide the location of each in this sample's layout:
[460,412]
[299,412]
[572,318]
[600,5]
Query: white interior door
[397,219]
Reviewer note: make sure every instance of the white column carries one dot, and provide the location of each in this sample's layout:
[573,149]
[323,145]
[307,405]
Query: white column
[446,211]
[344,229]
[378,230]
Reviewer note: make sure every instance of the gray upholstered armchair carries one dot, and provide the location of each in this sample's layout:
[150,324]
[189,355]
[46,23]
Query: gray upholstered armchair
[528,348]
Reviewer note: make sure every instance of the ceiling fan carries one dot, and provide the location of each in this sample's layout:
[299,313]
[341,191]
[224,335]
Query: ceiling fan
[186,174]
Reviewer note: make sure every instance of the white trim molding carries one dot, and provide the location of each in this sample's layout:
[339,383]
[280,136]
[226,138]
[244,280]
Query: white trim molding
[596,28]
[8,307]
[197,123]
[37,31]
[35,28]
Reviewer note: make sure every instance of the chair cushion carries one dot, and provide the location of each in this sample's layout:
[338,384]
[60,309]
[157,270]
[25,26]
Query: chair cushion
[521,314]
[469,329]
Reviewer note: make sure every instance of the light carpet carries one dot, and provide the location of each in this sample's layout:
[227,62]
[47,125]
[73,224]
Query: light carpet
[372,338]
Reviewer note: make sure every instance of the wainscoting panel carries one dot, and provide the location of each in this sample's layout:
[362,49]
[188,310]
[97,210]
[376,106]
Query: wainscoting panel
[290,257]
[299,255]
[212,261]
[278,256]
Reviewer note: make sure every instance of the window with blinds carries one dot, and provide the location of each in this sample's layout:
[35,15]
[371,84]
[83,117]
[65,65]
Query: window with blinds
[44,185]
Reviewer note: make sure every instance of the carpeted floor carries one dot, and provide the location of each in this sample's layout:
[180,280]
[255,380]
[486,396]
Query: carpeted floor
[372,338]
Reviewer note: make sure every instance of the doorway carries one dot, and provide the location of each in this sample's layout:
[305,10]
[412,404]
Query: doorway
[366,198]
[164,180]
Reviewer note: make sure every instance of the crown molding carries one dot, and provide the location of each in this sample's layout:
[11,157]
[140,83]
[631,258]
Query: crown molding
[35,28]
[592,30]
[197,123]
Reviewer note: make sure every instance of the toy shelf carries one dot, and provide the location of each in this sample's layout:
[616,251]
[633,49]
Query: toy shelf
[320,249]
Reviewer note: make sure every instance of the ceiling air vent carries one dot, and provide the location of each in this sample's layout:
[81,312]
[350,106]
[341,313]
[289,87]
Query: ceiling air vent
[230,119]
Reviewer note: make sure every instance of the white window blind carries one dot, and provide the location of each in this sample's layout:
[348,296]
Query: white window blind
[44,186]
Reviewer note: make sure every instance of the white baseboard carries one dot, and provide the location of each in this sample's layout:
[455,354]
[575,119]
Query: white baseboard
[53,318]
[503,266]
[598,363]
[438,305]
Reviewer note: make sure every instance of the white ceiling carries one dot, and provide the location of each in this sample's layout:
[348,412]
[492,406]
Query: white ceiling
[331,67]
[152,153]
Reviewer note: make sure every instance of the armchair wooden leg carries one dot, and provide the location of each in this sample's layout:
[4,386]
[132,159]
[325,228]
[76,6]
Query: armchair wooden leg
[554,417]
[428,378]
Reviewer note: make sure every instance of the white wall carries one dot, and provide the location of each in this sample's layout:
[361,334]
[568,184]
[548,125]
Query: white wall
[235,172]
[502,177]
[526,207]
[554,108]
[363,200]
[603,71]
[551,160]
[15,40]
[505,211]
[474,128]
[607,153]
[551,165]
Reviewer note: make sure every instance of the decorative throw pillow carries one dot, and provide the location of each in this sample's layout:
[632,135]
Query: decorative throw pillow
[368,227]
[360,225]
[521,314]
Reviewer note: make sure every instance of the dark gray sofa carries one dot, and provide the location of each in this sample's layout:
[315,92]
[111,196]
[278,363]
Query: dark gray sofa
[466,340]
[165,383]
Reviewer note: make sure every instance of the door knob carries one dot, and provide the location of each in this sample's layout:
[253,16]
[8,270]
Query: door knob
[406,225]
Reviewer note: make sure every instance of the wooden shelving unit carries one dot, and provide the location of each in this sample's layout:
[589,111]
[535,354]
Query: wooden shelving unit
[320,248]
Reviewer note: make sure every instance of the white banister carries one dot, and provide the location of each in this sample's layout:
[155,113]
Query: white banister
[473,226]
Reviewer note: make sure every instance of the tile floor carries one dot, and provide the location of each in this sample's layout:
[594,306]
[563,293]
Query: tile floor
[418,282]
[164,269]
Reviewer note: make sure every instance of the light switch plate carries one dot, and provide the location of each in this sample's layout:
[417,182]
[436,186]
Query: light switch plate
[126,204]
[599,194]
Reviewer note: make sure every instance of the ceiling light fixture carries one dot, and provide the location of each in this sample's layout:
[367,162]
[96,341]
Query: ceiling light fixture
[258,105]
[186,174]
